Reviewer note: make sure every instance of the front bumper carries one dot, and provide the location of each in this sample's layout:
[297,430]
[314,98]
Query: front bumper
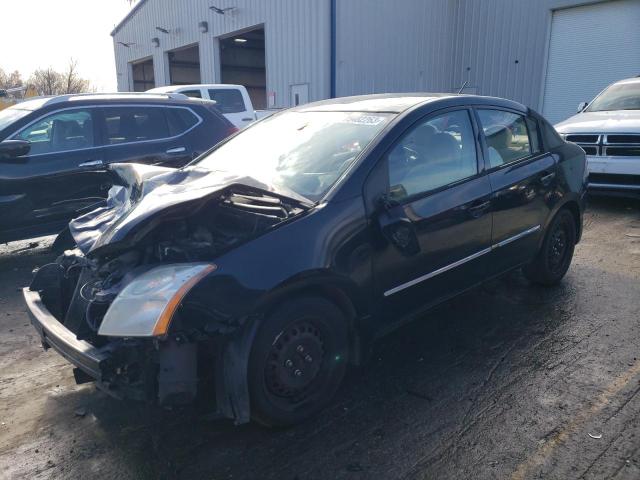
[614,175]
[82,354]
[133,369]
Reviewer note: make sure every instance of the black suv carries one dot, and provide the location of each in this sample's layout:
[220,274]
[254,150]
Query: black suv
[53,151]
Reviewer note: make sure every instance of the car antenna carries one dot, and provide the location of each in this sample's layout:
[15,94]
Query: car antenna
[462,87]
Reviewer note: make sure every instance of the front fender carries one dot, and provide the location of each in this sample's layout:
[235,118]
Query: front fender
[232,390]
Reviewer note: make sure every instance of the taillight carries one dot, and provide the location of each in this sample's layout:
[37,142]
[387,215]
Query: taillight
[231,131]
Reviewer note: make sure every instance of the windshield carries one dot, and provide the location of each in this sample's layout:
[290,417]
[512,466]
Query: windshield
[303,152]
[622,96]
[10,115]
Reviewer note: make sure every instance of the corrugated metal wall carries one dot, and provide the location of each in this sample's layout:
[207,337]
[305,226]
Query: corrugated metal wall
[394,46]
[296,40]
[498,46]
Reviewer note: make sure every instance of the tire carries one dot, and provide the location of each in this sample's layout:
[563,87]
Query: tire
[297,362]
[553,259]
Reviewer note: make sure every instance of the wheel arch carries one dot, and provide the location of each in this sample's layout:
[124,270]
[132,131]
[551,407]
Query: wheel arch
[337,291]
[231,372]
[573,206]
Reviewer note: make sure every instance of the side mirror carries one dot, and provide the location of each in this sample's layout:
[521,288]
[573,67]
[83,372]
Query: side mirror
[582,106]
[10,149]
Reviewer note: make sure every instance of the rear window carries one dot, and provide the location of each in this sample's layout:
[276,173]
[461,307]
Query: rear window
[180,120]
[550,136]
[134,124]
[192,93]
[228,100]
[506,135]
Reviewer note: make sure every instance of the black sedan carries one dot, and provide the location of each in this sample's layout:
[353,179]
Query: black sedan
[54,151]
[257,274]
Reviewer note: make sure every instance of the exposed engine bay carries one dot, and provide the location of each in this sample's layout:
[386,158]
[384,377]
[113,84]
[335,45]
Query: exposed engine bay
[80,287]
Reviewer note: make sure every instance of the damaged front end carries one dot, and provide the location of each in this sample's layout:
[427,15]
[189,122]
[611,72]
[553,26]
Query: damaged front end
[118,306]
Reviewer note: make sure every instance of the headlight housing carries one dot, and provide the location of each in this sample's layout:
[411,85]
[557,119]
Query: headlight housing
[145,307]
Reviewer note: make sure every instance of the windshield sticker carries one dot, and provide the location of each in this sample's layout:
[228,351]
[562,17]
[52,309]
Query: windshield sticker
[365,120]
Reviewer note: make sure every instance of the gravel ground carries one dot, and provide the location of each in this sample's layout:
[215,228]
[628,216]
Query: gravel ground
[507,381]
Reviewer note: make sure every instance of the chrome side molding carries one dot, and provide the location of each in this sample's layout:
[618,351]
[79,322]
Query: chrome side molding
[462,261]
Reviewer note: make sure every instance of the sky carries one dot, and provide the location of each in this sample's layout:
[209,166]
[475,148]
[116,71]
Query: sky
[48,33]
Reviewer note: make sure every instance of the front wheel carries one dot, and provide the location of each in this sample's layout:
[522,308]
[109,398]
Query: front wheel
[554,258]
[297,362]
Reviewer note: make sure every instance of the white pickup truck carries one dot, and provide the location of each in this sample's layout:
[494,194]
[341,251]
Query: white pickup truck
[608,130]
[233,101]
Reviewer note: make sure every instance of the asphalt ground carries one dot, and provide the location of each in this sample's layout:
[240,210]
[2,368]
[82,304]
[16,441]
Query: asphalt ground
[507,381]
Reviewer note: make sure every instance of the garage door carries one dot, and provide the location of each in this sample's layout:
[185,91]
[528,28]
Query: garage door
[590,47]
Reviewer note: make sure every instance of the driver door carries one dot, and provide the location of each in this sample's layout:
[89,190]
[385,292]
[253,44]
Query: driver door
[436,217]
[62,173]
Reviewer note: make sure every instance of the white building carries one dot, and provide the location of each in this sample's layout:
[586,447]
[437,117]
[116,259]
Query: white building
[548,54]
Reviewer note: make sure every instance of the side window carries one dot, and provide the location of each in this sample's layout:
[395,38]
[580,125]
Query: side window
[435,153]
[134,124]
[228,100]
[506,135]
[59,132]
[534,134]
[192,93]
[549,134]
[180,120]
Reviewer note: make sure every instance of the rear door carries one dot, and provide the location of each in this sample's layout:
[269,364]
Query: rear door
[150,134]
[523,181]
[436,222]
[233,105]
[62,174]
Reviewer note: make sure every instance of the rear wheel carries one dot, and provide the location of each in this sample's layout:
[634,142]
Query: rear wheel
[297,361]
[554,258]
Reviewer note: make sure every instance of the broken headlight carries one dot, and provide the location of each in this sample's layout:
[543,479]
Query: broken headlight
[145,307]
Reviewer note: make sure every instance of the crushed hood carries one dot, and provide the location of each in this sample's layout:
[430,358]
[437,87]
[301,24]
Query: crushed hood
[143,193]
[617,121]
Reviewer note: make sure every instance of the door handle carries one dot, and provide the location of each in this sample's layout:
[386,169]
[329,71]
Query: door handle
[177,150]
[248,119]
[546,179]
[92,163]
[478,209]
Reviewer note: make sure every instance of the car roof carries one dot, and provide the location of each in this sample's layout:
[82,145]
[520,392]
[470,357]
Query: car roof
[106,98]
[628,80]
[173,88]
[400,102]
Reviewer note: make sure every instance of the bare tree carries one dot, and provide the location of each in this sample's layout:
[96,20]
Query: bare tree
[10,80]
[71,80]
[51,82]
[46,81]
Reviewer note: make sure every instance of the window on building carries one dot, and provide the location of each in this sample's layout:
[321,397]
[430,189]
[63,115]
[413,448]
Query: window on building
[435,153]
[507,136]
[134,124]
[143,75]
[60,132]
